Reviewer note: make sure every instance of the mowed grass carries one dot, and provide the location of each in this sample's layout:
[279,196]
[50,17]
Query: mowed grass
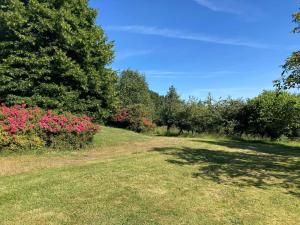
[113,136]
[137,179]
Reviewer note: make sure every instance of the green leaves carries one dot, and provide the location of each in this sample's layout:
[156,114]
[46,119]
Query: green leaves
[53,55]
[133,90]
[171,108]
[274,114]
[291,69]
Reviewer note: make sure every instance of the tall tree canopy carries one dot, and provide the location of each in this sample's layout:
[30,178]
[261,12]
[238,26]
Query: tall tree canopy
[133,89]
[291,68]
[53,55]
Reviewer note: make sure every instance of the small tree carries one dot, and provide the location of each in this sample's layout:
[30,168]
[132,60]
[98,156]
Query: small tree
[171,108]
[229,110]
[133,117]
[291,68]
[157,101]
[188,116]
[133,89]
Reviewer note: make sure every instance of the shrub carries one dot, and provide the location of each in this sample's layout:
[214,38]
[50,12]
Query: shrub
[5,138]
[272,114]
[133,118]
[67,131]
[122,118]
[32,128]
[25,142]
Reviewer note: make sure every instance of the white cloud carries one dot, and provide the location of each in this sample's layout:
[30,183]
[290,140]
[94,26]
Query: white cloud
[225,90]
[187,74]
[169,33]
[236,92]
[227,6]
[121,55]
[242,8]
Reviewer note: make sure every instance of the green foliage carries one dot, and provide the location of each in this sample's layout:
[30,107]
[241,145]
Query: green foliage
[272,114]
[139,121]
[21,141]
[134,117]
[29,141]
[171,107]
[188,116]
[291,68]
[209,116]
[137,102]
[69,141]
[229,110]
[133,89]
[157,102]
[53,55]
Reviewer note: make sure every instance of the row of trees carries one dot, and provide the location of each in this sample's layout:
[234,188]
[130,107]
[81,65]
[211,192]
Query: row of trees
[271,114]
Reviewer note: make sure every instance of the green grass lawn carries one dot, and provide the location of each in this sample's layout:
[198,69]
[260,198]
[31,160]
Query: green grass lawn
[131,179]
[113,136]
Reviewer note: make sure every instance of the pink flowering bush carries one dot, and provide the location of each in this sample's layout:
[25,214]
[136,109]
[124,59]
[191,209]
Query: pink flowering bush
[18,119]
[22,128]
[133,118]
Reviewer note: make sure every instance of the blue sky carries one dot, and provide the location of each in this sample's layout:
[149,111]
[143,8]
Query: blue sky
[226,47]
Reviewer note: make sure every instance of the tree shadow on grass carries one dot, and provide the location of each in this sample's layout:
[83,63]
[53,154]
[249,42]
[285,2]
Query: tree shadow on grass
[240,168]
[258,146]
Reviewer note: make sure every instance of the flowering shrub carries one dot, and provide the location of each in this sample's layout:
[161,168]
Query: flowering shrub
[23,128]
[133,118]
[18,118]
[122,118]
[54,123]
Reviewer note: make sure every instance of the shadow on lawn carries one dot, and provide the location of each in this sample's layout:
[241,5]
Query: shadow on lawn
[278,166]
[258,146]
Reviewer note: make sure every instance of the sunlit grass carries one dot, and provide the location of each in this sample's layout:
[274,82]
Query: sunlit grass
[135,179]
[114,136]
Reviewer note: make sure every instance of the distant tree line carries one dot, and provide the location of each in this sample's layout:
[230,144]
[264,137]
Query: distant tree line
[271,114]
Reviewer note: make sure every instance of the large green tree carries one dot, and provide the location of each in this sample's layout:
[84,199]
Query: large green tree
[291,68]
[53,55]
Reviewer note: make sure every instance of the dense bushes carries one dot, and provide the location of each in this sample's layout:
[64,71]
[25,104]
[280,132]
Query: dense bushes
[32,128]
[134,118]
[271,114]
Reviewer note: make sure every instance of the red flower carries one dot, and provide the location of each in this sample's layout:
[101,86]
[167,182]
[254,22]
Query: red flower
[21,119]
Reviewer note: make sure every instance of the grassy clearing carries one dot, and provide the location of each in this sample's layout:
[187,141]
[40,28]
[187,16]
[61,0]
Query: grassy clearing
[155,180]
[113,136]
